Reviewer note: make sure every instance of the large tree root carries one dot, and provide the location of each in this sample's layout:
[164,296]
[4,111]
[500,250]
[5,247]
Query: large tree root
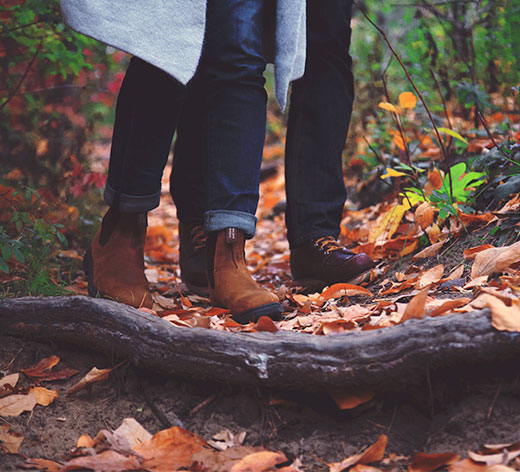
[282,359]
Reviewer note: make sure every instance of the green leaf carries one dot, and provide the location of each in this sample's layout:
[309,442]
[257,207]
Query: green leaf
[3,266]
[452,133]
[7,252]
[18,255]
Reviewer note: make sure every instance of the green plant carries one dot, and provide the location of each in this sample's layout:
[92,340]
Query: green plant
[449,199]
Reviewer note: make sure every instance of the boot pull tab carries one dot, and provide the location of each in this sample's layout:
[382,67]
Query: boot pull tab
[231,235]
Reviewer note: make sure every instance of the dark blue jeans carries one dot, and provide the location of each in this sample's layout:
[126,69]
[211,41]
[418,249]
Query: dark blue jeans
[319,116]
[229,89]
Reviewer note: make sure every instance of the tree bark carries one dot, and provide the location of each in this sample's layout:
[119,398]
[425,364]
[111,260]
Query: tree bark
[281,359]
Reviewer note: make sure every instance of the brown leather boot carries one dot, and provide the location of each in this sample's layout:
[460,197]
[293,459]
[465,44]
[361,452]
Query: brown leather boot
[114,263]
[230,283]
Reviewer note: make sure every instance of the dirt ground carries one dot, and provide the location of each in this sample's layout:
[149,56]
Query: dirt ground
[450,411]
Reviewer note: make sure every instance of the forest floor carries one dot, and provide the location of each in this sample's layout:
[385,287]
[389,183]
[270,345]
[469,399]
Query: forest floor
[447,411]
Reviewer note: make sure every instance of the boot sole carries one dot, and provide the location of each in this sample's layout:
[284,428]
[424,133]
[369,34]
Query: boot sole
[272,310]
[316,285]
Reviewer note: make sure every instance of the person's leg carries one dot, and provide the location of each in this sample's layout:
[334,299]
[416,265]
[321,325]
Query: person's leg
[319,115]
[231,78]
[147,111]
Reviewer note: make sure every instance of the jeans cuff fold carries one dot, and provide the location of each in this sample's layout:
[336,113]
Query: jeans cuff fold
[217,220]
[131,203]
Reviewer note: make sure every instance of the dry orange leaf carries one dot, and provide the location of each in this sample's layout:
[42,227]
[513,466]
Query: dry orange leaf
[373,454]
[503,317]
[348,399]
[493,260]
[44,396]
[43,370]
[427,462]
[15,405]
[431,276]
[262,461]
[415,308]
[7,383]
[85,441]
[475,219]
[424,215]
[95,375]
[429,251]
[466,465]
[449,306]
[434,233]
[364,468]
[343,289]
[106,461]
[471,252]
[265,323]
[407,100]
[455,273]
[170,449]
[43,464]
[10,441]
[133,432]
[435,178]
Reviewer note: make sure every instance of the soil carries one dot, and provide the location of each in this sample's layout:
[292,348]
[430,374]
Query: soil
[447,411]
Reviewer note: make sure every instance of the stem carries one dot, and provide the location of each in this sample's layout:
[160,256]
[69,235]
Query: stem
[19,84]
[488,131]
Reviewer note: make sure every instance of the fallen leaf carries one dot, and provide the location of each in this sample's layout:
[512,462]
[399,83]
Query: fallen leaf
[43,464]
[364,468]
[221,461]
[42,371]
[494,260]
[415,307]
[85,441]
[133,432]
[169,449]
[435,178]
[494,459]
[93,376]
[387,106]
[448,306]
[8,383]
[10,441]
[427,462]
[44,396]
[265,323]
[476,282]
[107,461]
[259,462]
[471,252]
[348,399]
[15,405]
[455,273]
[372,454]
[429,251]
[343,290]
[466,465]
[430,276]
[226,439]
[503,317]
[424,215]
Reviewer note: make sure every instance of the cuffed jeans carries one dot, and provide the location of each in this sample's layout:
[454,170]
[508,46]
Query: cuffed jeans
[229,89]
[319,116]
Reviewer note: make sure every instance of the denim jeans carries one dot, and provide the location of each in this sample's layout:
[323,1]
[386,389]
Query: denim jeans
[319,116]
[229,88]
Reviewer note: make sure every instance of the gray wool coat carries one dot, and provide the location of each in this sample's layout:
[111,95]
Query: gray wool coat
[169,33]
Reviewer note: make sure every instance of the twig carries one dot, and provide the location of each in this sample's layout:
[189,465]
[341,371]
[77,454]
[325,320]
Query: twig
[444,105]
[494,400]
[392,420]
[11,362]
[158,412]
[19,84]
[203,404]
[488,131]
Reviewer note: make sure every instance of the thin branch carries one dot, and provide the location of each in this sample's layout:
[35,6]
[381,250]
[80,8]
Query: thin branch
[490,135]
[19,84]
